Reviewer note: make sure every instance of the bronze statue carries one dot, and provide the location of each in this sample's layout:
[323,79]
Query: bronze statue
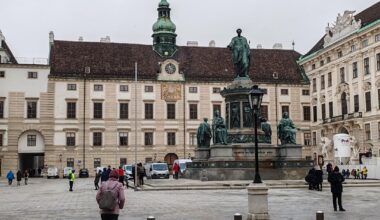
[204,134]
[287,130]
[219,129]
[265,126]
[241,54]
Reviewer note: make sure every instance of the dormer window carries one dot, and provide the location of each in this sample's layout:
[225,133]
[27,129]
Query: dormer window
[313,66]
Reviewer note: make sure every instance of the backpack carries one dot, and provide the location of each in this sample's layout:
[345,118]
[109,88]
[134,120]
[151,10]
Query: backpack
[108,199]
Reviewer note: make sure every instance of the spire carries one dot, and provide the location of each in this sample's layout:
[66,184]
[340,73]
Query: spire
[164,36]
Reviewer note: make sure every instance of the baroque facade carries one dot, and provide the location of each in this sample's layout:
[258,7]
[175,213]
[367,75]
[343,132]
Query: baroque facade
[344,71]
[92,112]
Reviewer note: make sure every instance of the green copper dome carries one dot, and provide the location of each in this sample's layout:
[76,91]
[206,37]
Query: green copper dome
[163,3]
[164,24]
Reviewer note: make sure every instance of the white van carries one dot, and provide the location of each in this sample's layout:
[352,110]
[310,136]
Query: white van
[128,171]
[52,172]
[182,164]
[157,170]
[66,171]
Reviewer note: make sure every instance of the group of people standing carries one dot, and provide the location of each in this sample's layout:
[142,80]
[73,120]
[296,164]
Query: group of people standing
[356,173]
[19,176]
[315,179]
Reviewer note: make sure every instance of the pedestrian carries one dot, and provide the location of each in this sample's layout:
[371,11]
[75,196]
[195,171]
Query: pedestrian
[121,175]
[353,173]
[329,168]
[343,172]
[357,174]
[26,176]
[311,179]
[347,174]
[10,177]
[176,170]
[104,176]
[336,179]
[319,179]
[141,173]
[97,178]
[71,179]
[365,172]
[110,197]
[18,177]
[134,174]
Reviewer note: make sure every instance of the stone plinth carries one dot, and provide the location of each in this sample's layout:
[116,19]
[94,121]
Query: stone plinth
[290,152]
[257,202]
[202,154]
[221,152]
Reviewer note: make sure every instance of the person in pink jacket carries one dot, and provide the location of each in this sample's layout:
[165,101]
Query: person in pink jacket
[117,189]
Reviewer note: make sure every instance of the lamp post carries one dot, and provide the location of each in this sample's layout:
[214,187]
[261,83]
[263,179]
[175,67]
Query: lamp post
[255,99]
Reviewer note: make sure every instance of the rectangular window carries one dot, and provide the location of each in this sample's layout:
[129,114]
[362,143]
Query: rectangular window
[354,70]
[378,62]
[368,101]
[377,37]
[264,112]
[314,138]
[285,108]
[123,88]
[70,139]
[148,88]
[314,85]
[329,79]
[71,87]
[193,139]
[216,90]
[148,110]
[305,92]
[124,114]
[313,67]
[342,76]
[98,110]
[1,109]
[306,113]
[366,66]
[193,89]
[322,62]
[32,75]
[193,111]
[1,139]
[340,54]
[2,74]
[353,48]
[356,103]
[328,59]
[148,138]
[123,138]
[315,115]
[378,98]
[97,162]
[71,110]
[98,87]
[31,140]
[70,162]
[123,161]
[148,160]
[97,139]
[367,128]
[265,91]
[378,130]
[323,82]
[323,111]
[170,111]
[284,92]
[171,138]
[364,43]
[32,109]
[331,109]
[307,138]
[216,107]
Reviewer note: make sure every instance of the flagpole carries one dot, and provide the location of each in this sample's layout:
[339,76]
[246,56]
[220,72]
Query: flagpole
[136,174]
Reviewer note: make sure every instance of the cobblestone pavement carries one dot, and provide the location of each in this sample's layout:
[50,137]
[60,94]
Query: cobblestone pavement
[49,199]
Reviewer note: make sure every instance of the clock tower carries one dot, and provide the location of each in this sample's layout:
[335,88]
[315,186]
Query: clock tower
[164,36]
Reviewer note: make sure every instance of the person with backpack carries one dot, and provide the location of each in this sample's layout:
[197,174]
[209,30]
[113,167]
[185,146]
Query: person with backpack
[110,197]
[10,177]
[71,179]
[18,177]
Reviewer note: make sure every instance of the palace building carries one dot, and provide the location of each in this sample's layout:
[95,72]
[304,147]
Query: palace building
[90,111]
[344,71]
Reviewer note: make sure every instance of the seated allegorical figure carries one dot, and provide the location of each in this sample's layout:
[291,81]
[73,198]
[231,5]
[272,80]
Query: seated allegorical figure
[287,130]
[219,129]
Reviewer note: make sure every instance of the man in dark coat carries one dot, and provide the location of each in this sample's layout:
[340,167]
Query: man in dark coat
[319,179]
[336,179]
[104,176]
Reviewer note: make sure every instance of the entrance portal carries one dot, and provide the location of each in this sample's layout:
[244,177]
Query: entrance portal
[34,163]
[169,159]
[31,149]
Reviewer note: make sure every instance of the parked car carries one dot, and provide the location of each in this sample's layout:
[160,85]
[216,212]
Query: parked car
[182,164]
[157,170]
[52,172]
[83,173]
[66,171]
[128,171]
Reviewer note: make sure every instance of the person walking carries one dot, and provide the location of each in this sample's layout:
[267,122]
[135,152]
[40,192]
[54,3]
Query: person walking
[357,174]
[18,177]
[176,170]
[71,179]
[110,197]
[104,176]
[353,173]
[319,179]
[26,176]
[97,178]
[336,179]
[141,173]
[365,172]
[121,175]
[10,177]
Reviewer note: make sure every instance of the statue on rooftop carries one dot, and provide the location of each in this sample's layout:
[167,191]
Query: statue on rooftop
[241,54]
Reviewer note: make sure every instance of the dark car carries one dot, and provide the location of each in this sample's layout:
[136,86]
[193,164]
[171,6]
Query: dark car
[83,173]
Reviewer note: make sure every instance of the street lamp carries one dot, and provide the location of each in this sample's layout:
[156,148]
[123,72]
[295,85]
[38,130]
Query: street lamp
[255,98]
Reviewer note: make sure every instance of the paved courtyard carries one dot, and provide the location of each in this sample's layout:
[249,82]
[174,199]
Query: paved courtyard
[50,199]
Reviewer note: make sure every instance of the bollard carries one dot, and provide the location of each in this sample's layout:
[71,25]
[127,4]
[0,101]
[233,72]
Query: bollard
[150,218]
[238,216]
[320,215]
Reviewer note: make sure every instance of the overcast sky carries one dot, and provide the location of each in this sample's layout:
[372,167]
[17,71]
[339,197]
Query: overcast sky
[26,23]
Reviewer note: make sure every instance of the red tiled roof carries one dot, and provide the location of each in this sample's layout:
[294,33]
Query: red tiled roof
[367,16]
[200,64]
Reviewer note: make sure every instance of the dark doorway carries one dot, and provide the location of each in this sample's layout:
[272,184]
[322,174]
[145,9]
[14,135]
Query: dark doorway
[344,103]
[34,163]
[169,159]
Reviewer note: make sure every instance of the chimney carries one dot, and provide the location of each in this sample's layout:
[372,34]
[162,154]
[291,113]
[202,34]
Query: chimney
[259,46]
[51,37]
[192,43]
[212,43]
[277,46]
[80,38]
[106,39]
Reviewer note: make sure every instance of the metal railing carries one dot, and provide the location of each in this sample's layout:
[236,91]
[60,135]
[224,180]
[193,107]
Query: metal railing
[34,60]
[343,117]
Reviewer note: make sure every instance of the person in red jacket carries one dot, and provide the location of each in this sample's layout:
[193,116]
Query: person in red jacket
[176,170]
[121,175]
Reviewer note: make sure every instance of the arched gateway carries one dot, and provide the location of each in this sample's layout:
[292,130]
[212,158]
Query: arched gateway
[31,151]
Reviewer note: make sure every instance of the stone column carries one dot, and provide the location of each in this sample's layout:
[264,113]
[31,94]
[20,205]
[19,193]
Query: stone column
[257,202]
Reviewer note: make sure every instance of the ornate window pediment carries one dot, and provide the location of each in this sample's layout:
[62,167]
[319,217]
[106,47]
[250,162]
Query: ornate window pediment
[367,86]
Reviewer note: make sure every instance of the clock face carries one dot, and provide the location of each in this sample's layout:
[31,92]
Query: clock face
[170,68]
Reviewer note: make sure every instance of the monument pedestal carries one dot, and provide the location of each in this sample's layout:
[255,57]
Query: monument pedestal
[221,152]
[257,202]
[202,154]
